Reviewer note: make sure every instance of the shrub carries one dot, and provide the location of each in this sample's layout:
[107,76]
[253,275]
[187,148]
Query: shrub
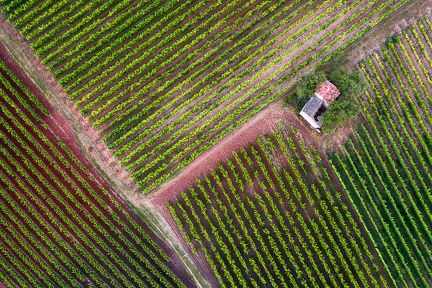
[308,84]
[349,83]
[345,107]
[339,112]
[306,87]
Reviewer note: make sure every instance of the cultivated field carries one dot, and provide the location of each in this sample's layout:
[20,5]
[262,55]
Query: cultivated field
[60,224]
[167,85]
[387,167]
[274,215]
[164,81]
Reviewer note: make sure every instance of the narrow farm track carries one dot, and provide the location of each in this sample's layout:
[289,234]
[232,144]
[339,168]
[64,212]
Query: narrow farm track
[73,125]
[61,220]
[186,74]
[178,105]
[265,122]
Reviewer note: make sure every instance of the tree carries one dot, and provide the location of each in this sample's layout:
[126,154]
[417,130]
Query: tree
[338,113]
[349,83]
[345,107]
[308,83]
[306,87]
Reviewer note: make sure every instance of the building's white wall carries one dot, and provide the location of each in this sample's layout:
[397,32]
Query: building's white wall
[310,120]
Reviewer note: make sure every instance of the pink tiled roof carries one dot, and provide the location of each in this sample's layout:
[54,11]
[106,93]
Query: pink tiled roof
[328,92]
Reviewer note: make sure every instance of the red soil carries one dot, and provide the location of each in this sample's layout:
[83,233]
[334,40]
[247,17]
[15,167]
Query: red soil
[308,211]
[264,122]
[65,113]
[59,129]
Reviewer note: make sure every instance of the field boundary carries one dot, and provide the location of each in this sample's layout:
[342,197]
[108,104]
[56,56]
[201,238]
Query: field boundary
[263,122]
[154,218]
[86,136]
[98,155]
[154,204]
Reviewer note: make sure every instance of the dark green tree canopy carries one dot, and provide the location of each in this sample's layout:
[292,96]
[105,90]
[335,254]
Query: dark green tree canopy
[308,84]
[306,87]
[349,83]
[345,107]
[338,113]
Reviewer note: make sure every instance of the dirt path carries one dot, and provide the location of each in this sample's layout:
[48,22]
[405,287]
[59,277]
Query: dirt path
[264,122]
[79,134]
[87,138]
[89,142]
[399,19]
[60,129]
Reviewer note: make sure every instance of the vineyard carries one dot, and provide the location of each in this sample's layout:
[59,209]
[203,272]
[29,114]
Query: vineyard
[273,216]
[164,81]
[145,99]
[60,227]
[387,167]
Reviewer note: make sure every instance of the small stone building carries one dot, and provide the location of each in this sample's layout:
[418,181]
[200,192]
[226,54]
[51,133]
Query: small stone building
[318,104]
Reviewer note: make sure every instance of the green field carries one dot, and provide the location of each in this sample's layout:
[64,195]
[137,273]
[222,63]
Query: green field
[61,227]
[164,81]
[386,168]
[166,90]
[272,215]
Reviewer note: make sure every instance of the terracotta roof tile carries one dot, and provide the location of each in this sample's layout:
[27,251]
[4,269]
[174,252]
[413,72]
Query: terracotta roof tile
[328,92]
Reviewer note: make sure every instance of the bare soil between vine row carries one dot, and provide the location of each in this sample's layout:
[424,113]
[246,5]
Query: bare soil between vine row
[60,129]
[265,122]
